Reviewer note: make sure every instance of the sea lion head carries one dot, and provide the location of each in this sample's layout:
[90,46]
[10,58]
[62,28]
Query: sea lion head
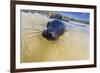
[55,28]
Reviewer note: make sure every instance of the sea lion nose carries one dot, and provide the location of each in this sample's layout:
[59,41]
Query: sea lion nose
[49,35]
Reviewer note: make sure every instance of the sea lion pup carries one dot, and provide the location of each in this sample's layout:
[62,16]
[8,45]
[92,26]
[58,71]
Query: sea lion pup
[45,39]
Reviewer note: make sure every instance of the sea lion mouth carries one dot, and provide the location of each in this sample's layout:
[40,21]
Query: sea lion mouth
[55,29]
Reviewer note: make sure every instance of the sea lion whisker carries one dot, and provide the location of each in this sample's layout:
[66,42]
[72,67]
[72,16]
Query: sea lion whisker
[33,29]
[59,46]
[67,39]
[61,42]
[32,33]
[42,25]
[64,39]
[33,37]
[58,42]
[55,44]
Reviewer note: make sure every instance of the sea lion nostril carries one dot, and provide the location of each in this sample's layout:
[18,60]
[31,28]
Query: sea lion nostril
[51,35]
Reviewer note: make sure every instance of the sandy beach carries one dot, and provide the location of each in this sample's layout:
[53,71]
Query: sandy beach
[73,45]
